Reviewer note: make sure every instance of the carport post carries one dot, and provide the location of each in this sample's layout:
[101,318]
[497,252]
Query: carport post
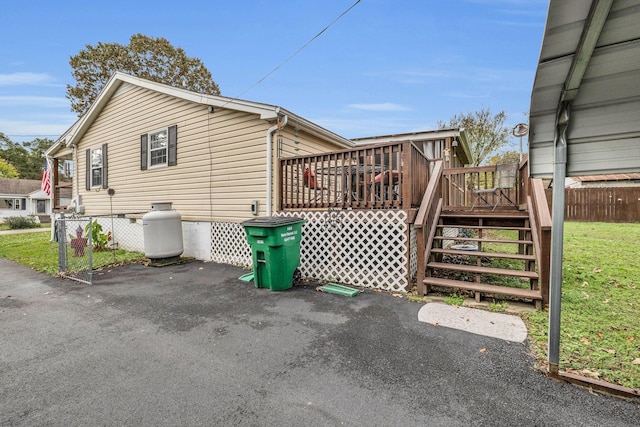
[557,235]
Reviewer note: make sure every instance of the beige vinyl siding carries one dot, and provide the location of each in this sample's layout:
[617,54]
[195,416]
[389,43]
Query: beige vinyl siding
[221,157]
[287,147]
[221,160]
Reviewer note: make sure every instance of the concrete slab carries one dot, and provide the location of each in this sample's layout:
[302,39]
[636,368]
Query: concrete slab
[479,322]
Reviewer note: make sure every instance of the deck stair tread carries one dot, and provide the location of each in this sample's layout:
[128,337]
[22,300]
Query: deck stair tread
[483,270]
[477,239]
[474,214]
[484,227]
[521,257]
[483,287]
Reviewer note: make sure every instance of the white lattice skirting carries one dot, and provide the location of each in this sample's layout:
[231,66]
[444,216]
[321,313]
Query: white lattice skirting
[229,244]
[363,248]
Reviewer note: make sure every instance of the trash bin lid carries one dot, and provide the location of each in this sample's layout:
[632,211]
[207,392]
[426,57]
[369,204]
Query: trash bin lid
[271,221]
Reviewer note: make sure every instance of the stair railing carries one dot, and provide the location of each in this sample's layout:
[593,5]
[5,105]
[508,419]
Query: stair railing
[540,220]
[426,221]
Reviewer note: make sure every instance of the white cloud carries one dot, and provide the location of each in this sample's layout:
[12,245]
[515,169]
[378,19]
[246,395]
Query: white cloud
[384,106]
[26,79]
[40,101]
[51,126]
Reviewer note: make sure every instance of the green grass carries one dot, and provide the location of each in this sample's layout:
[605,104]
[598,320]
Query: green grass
[600,322]
[34,250]
[454,299]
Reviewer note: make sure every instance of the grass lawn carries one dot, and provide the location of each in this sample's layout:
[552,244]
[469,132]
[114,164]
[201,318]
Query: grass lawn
[600,321]
[34,250]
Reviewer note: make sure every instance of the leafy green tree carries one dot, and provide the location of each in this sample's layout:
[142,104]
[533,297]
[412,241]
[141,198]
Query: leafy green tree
[485,131]
[26,157]
[504,157]
[7,170]
[151,58]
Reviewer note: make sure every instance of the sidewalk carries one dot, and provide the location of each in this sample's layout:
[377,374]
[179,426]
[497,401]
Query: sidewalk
[191,344]
[26,230]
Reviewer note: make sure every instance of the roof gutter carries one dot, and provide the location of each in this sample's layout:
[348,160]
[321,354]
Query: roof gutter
[279,125]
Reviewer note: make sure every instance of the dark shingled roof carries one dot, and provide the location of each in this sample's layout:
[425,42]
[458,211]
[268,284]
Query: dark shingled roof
[19,187]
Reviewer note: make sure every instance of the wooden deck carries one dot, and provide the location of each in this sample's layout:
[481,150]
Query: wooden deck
[398,176]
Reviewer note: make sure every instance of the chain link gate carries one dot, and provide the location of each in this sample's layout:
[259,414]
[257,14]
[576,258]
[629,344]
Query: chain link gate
[75,248]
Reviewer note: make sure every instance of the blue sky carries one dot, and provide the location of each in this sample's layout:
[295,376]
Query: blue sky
[388,66]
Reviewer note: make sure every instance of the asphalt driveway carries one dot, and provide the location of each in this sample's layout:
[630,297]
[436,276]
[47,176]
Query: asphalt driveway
[192,345]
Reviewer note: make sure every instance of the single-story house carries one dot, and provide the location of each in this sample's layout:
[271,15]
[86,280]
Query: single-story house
[23,197]
[214,158]
[606,181]
[451,145]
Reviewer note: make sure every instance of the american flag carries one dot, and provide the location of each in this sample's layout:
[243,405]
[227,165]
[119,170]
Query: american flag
[46,184]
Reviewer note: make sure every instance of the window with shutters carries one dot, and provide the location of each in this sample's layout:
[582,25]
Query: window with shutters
[158,149]
[96,174]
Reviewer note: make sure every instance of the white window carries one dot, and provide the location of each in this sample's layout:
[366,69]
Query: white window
[159,148]
[96,167]
[158,143]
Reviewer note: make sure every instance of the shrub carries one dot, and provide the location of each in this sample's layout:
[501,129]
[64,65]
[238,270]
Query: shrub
[100,240]
[21,222]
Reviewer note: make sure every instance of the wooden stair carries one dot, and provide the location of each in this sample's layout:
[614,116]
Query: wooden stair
[443,262]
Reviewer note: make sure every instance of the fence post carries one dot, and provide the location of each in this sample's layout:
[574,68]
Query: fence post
[62,242]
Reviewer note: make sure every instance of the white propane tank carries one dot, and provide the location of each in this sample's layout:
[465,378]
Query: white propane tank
[162,231]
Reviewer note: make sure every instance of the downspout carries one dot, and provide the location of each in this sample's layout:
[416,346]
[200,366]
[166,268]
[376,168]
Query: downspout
[279,125]
[78,208]
[557,234]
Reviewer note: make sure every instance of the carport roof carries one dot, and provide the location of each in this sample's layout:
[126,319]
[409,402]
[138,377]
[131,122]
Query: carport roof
[603,86]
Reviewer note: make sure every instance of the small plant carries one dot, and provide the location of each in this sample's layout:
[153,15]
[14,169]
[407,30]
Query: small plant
[498,307]
[100,240]
[21,222]
[454,299]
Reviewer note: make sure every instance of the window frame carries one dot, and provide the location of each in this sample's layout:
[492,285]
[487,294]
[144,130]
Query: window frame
[93,168]
[150,150]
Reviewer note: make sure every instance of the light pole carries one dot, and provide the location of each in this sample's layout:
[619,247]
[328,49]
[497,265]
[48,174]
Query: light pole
[520,130]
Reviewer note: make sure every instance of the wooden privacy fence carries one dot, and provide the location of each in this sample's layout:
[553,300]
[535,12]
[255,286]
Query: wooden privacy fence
[613,204]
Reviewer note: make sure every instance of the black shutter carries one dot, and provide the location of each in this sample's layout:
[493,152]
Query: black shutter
[105,184]
[143,152]
[88,175]
[173,146]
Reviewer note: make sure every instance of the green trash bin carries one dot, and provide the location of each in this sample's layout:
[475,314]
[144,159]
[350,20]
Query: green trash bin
[275,249]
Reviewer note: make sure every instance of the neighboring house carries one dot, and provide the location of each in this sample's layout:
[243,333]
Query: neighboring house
[213,157]
[606,181]
[449,145]
[23,197]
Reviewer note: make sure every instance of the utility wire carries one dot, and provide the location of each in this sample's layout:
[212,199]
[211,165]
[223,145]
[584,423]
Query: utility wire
[295,53]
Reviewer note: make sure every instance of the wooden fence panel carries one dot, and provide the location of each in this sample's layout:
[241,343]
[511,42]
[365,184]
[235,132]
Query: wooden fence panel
[612,204]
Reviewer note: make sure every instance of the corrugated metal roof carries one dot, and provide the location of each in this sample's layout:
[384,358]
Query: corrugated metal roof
[604,132]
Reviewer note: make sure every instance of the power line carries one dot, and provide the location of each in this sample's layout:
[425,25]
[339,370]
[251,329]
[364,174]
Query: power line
[296,52]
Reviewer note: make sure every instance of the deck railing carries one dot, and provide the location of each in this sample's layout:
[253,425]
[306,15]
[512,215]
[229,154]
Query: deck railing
[460,187]
[540,219]
[390,176]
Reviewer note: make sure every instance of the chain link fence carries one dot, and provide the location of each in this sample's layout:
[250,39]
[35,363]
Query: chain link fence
[86,243]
